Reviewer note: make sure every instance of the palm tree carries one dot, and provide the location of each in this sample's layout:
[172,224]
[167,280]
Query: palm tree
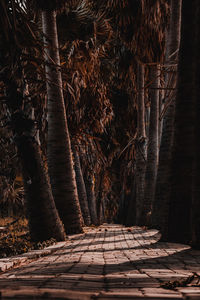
[138,24]
[44,221]
[140,147]
[90,188]
[85,83]
[59,153]
[195,209]
[152,146]
[161,204]
[183,152]
[82,195]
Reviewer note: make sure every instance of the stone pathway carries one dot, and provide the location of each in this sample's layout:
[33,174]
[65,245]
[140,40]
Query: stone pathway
[108,262]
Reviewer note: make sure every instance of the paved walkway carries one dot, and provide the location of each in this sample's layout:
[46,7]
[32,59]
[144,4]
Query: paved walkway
[109,262]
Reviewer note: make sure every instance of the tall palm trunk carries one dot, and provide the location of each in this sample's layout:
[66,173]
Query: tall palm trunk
[89,184]
[160,209]
[140,166]
[82,195]
[44,221]
[100,196]
[121,206]
[152,148]
[195,211]
[130,209]
[103,210]
[59,154]
[195,215]
[183,149]
[160,125]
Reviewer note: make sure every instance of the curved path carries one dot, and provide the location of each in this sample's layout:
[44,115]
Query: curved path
[108,262]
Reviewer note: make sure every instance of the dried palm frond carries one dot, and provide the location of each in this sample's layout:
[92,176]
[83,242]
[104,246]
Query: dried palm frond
[140,24]
[100,44]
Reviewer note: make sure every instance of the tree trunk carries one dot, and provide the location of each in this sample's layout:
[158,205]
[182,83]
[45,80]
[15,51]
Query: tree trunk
[195,214]
[130,218]
[81,188]
[100,193]
[89,184]
[147,120]
[44,221]
[152,148]
[174,33]
[140,164]
[121,210]
[160,209]
[183,149]
[59,153]
[102,220]
[160,125]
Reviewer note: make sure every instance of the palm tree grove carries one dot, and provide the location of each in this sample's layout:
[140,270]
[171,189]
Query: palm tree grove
[100,149]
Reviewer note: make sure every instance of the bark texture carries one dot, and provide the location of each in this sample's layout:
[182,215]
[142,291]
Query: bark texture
[82,195]
[100,197]
[179,226]
[44,221]
[152,147]
[129,219]
[195,213]
[89,184]
[160,209]
[140,164]
[59,152]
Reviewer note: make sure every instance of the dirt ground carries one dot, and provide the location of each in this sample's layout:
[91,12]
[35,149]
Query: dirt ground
[15,238]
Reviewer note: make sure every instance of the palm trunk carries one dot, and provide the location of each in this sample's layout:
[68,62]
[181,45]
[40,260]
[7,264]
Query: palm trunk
[89,184]
[81,188]
[160,125]
[44,221]
[183,149]
[121,206]
[99,188]
[174,34]
[130,209]
[59,153]
[140,147]
[147,120]
[160,209]
[152,148]
[102,219]
[195,214]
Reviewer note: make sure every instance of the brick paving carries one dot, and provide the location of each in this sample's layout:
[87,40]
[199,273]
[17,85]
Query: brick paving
[108,262]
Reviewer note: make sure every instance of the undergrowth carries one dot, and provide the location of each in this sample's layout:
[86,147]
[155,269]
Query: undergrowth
[15,238]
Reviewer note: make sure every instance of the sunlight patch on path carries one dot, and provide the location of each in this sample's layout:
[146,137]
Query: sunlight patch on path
[108,262]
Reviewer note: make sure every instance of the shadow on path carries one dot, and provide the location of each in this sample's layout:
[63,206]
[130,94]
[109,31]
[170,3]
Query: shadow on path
[135,264]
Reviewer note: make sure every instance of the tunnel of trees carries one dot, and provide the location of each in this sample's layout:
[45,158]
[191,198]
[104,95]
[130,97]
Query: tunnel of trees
[99,104]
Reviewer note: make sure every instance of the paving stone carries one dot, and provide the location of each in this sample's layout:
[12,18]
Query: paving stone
[189,290]
[192,297]
[148,291]
[27,293]
[101,264]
